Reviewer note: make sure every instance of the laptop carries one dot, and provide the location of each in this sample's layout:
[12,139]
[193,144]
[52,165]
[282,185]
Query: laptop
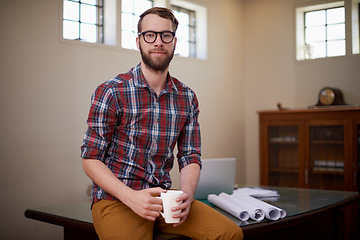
[217,176]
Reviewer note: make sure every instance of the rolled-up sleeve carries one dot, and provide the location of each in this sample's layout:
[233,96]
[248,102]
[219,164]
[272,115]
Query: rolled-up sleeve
[189,142]
[101,124]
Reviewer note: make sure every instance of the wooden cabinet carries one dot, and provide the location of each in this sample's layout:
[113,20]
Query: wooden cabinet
[311,148]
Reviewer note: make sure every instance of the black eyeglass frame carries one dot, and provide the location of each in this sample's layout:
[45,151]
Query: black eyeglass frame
[156,34]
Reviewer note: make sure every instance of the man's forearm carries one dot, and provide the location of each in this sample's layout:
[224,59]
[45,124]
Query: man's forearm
[189,178]
[143,202]
[103,177]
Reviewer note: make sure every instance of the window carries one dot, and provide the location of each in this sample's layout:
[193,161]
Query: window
[191,32]
[327,30]
[355,21]
[96,21]
[325,33]
[83,20]
[186,32]
[192,29]
[130,12]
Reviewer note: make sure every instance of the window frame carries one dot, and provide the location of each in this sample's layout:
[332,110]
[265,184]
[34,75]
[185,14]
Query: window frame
[201,25]
[112,32]
[133,31]
[300,26]
[352,27]
[325,26]
[191,28]
[99,21]
[355,26]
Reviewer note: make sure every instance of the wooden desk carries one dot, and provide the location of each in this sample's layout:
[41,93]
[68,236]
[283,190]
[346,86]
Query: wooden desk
[311,214]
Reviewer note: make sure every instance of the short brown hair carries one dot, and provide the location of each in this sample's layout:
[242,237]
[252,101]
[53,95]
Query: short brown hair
[161,12]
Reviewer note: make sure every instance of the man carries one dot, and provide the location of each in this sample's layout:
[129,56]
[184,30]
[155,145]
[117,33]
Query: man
[134,122]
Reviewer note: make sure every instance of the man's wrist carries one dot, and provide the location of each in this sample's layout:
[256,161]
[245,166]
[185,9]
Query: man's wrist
[124,194]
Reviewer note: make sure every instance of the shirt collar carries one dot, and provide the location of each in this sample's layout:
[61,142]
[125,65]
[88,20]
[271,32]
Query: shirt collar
[139,80]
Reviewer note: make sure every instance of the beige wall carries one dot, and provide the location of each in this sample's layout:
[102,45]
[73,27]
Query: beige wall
[45,94]
[45,88]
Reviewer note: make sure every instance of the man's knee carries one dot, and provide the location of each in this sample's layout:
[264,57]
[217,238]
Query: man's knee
[230,232]
[217,226]
[237,234]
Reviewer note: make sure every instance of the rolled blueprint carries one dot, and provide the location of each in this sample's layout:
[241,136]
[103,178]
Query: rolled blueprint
[234,210]
[271,212]
[255,212]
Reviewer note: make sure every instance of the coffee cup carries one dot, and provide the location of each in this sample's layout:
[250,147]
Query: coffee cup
[168,202]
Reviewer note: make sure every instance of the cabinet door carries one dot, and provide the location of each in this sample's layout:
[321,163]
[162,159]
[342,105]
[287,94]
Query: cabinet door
[356,164]
[328,155]
[283,155]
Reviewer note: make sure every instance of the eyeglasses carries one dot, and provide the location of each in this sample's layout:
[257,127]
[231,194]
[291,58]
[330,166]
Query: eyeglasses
[150,36]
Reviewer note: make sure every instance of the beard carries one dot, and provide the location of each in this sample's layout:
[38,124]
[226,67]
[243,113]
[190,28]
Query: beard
[157,65]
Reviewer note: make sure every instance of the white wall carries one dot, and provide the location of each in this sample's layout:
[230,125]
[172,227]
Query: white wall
[45,90]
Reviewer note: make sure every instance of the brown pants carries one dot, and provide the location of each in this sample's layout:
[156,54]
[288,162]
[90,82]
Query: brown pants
[114,220]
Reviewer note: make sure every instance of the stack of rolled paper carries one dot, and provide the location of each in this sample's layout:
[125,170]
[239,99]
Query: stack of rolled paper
[243,206]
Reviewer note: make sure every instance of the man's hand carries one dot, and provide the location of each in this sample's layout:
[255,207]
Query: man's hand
[186,200]
[144,202]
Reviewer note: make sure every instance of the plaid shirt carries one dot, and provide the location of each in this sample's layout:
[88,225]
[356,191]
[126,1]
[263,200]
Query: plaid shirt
[134,132]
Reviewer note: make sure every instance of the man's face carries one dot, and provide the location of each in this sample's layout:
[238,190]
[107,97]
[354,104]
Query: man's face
[157,55]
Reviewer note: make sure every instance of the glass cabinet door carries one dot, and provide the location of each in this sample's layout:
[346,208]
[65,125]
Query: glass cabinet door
[283,156]
[358,157]
[326,160]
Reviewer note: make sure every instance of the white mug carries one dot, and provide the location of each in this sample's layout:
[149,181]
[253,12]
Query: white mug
[168,202]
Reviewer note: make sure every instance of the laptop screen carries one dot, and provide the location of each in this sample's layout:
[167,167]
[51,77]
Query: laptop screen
[217,176]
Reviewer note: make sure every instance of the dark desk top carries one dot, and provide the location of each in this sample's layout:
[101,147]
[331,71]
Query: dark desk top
[297,202]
